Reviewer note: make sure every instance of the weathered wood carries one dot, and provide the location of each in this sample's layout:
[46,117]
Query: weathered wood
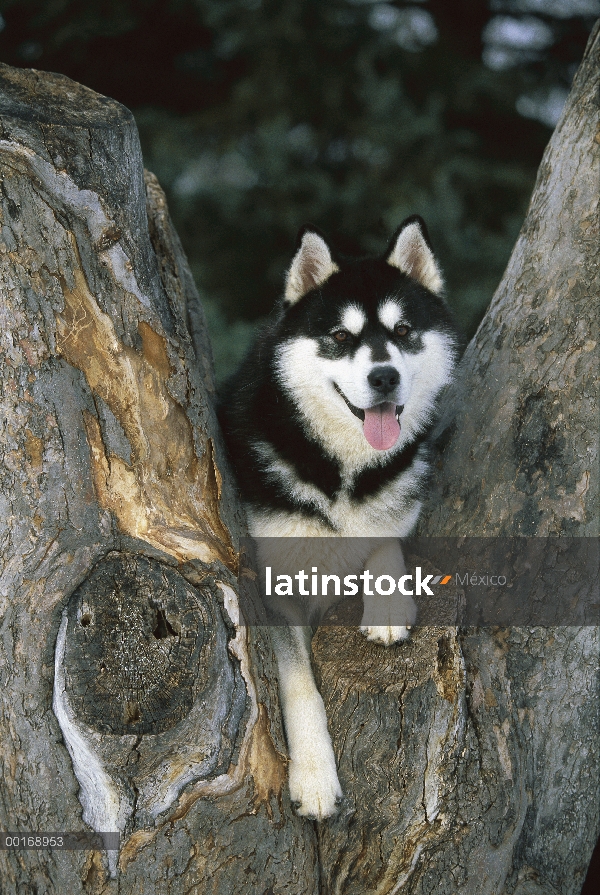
[470,762]
[118,526]
[144,676]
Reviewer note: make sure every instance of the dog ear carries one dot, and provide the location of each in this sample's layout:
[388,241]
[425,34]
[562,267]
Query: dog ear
[410,251]
[311,266]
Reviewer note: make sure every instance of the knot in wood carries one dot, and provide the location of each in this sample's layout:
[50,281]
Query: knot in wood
[137,640]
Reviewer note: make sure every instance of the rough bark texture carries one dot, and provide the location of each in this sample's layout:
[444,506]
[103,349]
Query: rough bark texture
[467,757]
[471,761]
[117,529]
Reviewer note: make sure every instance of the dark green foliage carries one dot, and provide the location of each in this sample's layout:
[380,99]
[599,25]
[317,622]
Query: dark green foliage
[258,117]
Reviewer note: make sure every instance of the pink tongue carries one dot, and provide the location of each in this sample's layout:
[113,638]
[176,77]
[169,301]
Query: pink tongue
[381,427]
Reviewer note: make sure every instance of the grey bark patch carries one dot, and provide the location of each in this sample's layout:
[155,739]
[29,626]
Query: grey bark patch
[113,434]
[539,444]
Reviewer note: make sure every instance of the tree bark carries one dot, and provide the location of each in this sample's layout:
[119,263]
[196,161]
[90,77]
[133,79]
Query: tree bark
[130,698]
[471,757]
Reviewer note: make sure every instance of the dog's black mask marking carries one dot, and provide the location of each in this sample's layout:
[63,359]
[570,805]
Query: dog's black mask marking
[366,283]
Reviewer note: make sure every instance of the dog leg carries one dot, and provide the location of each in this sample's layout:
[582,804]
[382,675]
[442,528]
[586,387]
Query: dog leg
[387,619]
[314,787]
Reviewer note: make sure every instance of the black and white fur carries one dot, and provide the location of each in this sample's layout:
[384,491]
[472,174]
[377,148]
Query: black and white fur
[350,339]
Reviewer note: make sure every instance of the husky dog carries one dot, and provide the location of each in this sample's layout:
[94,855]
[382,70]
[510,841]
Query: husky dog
[328,424]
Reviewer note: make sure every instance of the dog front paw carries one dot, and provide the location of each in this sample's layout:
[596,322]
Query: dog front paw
[386,634]
[381,616]
[315,792]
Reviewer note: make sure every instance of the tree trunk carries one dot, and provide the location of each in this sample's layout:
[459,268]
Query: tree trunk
[472,758]
[130,699]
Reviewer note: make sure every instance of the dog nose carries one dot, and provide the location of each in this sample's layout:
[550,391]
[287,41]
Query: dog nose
[383,379]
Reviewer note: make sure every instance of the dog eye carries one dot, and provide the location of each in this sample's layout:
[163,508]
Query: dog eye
[341,335]
[402,330]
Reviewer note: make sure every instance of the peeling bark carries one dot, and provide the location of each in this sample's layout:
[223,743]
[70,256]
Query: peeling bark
[467,756]
[118,528]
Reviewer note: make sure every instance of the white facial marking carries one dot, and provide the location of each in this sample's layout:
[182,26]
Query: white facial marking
[389,313]
[309,380]
[353,319]
[351,375]
[423,376]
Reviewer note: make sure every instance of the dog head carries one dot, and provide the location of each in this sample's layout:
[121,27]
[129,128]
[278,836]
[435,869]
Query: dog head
[365,346]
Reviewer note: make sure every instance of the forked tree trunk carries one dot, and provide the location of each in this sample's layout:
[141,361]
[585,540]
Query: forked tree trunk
[130,699]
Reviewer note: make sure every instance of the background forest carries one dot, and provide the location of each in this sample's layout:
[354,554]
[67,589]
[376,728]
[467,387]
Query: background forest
[258,116]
